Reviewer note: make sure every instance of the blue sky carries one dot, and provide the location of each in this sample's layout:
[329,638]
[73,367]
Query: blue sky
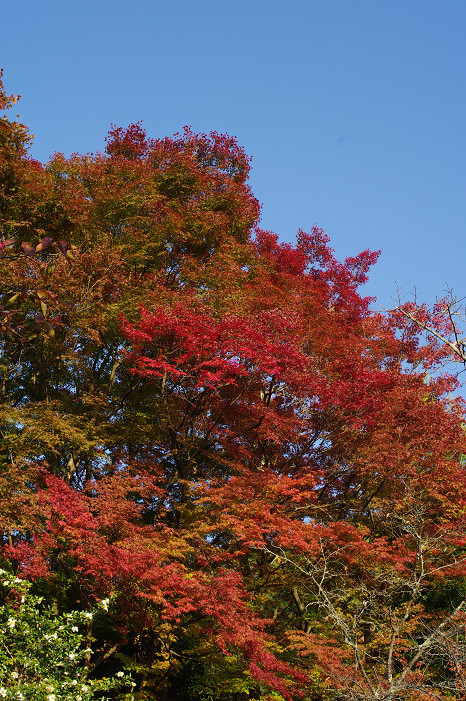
[354,111]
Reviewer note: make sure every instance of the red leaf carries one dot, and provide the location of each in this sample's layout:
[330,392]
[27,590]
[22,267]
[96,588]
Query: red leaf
[28,249]
[45,243]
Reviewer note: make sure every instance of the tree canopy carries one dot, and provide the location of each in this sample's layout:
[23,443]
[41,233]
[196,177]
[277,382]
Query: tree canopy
[214,431]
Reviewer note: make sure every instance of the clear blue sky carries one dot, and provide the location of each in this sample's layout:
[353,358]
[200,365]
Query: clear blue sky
[354,111]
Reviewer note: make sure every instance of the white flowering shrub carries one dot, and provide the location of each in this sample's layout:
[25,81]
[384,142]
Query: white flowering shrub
[41,654]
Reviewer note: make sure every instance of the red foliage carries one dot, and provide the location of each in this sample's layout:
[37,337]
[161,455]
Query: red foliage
[208,424]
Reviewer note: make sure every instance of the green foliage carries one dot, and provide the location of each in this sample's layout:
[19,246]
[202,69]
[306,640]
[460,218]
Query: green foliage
[43,654]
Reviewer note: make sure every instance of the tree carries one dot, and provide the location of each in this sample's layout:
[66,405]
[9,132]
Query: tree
[213,429]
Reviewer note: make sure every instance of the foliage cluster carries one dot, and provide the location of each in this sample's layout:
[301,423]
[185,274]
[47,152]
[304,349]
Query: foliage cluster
[41,651]
[213,430]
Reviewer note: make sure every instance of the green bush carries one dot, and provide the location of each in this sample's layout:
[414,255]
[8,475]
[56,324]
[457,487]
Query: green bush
[42,654]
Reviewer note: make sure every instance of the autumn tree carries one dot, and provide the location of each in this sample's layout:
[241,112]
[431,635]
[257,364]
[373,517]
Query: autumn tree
[214,431]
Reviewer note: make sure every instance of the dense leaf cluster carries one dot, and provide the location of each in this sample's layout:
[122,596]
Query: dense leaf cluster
[41,651]
[214,430]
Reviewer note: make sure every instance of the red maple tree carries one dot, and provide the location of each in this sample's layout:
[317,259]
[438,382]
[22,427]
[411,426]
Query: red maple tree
[216,430]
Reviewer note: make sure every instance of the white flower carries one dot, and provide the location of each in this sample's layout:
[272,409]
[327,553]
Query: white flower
[14,675]
[119,674]
[74,682]
[72,655]
[51,697]
[88,614]
[105,603]
[11,622]
[3,691]
[75,629]
[19,695]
